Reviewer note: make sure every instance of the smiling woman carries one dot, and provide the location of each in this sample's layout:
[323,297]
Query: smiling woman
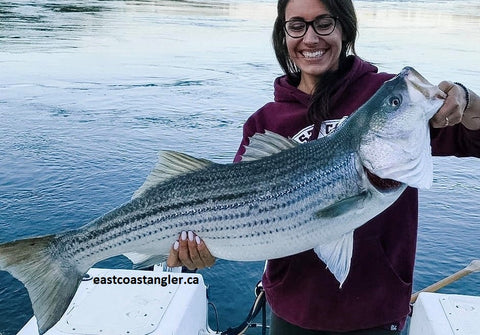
[88,97]
[312,54]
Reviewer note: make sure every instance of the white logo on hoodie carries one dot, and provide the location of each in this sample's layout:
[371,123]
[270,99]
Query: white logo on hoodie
[326,128]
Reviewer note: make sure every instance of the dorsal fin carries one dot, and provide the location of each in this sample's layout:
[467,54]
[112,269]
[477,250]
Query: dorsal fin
[267,144]
[169,165]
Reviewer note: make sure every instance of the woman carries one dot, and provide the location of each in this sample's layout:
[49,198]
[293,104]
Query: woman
[322,85]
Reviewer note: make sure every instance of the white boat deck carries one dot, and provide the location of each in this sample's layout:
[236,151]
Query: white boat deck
[122,305]
[445,314]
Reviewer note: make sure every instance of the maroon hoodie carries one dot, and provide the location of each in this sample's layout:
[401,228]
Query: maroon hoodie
[377,290]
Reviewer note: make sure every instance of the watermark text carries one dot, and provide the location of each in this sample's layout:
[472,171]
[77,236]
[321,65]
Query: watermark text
[146,280]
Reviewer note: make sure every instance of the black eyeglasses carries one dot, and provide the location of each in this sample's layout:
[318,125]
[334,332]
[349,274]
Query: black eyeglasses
[323,25]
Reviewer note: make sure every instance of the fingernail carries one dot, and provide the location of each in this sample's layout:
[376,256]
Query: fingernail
[184,235]
[197,239]
[190,235]
[175,245]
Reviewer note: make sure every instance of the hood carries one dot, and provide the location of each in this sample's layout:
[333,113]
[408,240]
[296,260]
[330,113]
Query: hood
[284,91]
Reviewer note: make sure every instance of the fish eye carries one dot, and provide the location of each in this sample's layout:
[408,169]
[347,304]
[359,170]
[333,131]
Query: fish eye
[394,101]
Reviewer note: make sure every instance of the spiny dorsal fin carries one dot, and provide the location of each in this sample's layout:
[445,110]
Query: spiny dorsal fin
[169,165]
[267,144]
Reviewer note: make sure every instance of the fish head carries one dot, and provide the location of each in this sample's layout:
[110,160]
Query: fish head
[395,142]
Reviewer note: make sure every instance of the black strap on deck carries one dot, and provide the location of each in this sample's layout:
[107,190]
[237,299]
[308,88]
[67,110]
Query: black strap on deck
[258,304]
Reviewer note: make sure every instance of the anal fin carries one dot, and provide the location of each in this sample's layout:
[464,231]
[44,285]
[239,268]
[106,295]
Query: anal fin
[142,261]
[337,255]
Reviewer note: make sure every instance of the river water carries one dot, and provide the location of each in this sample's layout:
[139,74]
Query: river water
[91,90]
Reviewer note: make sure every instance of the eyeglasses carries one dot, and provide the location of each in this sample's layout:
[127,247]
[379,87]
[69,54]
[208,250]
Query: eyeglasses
[323,25]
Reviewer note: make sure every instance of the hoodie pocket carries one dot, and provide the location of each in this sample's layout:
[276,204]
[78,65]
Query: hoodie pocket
[371,261]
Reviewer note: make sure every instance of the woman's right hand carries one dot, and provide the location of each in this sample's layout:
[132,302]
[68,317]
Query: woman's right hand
[189,250]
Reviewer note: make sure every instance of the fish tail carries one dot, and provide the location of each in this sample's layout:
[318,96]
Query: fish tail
[51,282]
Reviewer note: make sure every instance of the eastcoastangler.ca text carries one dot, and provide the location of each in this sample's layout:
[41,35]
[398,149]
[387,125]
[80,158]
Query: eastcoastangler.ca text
[146,280]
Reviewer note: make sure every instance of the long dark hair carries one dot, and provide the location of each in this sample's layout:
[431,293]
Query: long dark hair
[345,11]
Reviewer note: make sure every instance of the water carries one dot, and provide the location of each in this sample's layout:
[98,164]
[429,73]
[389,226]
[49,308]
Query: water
[90,91]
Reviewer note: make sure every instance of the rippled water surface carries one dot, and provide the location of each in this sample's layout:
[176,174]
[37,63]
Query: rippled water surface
[90,91]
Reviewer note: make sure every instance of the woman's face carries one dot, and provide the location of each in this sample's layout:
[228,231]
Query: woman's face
[313,54]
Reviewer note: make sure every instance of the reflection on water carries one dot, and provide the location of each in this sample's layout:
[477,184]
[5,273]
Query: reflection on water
[425,36]
[90,91]
[45,25]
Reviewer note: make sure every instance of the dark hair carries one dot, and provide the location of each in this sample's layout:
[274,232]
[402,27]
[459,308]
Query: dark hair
[345,11]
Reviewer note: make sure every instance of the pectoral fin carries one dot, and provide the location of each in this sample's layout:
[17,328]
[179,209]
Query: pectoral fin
[337,255]
[346,205]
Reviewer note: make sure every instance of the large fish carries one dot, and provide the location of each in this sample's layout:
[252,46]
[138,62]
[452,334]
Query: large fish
[282,199]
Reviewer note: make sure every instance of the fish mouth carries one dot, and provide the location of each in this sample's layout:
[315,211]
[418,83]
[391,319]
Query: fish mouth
[415,81]
[381,184]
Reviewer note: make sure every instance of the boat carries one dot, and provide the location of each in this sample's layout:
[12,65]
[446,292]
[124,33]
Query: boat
[168,301]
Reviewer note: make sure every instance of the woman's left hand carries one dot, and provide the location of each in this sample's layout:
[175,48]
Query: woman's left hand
[453,109]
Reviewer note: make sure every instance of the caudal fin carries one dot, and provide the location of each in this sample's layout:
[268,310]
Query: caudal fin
[51,283]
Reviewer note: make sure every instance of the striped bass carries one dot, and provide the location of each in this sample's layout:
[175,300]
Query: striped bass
[282,199]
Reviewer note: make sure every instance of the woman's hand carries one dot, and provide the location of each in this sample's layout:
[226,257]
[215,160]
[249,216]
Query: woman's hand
[455,109]
[189,250]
